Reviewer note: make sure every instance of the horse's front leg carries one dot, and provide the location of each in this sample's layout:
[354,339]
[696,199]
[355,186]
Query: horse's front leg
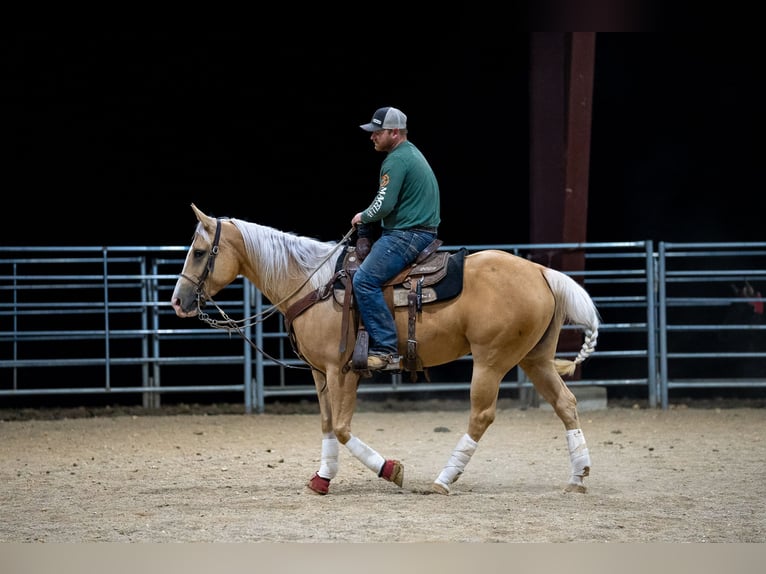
[342,397]
[387,469]
[328,466]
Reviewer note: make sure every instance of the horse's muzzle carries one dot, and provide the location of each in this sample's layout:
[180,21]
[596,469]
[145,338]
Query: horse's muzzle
[185,311]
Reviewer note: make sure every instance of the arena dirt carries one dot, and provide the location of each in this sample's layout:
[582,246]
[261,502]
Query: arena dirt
[217,475]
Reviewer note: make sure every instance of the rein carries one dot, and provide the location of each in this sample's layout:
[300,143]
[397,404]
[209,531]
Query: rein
[232,325]
[238,325]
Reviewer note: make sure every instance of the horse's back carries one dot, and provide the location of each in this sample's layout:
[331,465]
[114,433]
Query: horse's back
[499,277]
[505,304]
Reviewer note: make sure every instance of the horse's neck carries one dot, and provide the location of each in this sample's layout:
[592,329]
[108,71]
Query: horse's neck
[282,292]
[270,263]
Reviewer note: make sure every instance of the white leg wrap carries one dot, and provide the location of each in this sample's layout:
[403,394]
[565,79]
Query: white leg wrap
[328,468]
[579,457]
[365,454]
[463,452]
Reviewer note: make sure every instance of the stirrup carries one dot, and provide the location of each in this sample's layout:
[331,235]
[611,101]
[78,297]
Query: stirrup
[391,362]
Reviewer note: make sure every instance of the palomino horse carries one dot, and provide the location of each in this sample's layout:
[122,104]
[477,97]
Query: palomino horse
[510,312]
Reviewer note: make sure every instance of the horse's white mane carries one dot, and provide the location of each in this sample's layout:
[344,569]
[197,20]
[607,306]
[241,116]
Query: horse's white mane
[273,251]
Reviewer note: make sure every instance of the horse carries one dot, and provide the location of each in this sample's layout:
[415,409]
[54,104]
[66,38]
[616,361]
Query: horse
[509,312]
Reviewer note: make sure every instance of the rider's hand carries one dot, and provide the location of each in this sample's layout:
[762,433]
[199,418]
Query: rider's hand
[362,247]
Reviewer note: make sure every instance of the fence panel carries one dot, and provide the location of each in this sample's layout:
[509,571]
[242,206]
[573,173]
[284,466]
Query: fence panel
[712,332]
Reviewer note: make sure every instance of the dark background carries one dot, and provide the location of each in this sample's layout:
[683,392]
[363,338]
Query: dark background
[110,135]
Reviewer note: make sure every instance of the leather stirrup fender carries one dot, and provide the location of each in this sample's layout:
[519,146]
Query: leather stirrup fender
[359,357]
[345,314]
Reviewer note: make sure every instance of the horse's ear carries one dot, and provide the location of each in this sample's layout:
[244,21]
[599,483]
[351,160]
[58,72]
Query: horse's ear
[207,222]
[205,219]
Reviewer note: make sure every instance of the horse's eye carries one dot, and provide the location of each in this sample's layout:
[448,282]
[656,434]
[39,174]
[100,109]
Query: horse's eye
[199,253]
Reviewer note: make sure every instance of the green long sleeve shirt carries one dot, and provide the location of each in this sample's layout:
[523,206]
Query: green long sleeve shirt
[408,194]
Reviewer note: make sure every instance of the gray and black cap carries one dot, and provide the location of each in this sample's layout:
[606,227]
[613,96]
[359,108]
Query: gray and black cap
[387,118]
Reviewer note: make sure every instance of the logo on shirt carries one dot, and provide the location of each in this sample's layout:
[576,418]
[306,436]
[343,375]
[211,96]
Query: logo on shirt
[384,180]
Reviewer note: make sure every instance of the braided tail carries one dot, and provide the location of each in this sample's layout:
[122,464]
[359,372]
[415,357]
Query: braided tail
[577,307]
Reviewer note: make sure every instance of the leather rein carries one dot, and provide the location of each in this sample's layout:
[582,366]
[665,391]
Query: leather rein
[237,325]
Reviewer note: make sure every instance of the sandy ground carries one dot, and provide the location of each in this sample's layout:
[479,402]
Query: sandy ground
[682,475]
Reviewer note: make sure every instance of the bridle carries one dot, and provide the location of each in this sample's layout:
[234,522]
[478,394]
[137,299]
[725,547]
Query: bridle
[199,285]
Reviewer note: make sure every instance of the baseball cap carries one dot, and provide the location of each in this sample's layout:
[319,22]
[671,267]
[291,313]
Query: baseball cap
[386,118]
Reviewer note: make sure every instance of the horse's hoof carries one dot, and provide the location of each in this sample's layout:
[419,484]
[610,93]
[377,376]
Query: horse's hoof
[318,484]
[439,488]
[581,488]
[576,483]
[393,471]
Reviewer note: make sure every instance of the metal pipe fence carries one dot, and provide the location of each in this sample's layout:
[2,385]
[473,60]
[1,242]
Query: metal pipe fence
[97,321]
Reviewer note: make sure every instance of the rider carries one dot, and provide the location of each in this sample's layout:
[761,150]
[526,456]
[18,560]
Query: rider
[407,206]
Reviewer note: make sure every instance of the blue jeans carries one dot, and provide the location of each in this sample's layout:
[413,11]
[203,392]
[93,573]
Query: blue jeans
[392,252]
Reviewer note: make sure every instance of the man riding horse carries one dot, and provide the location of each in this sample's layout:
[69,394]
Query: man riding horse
[407,206]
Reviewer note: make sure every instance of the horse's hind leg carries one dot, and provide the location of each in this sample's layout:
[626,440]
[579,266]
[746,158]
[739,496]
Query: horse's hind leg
[485,383]
[551,387]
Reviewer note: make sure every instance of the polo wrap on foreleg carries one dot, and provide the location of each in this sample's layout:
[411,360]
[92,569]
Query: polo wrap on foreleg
[328,467]
[365,454]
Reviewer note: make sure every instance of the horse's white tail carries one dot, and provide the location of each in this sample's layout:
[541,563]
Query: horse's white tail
[578,309]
